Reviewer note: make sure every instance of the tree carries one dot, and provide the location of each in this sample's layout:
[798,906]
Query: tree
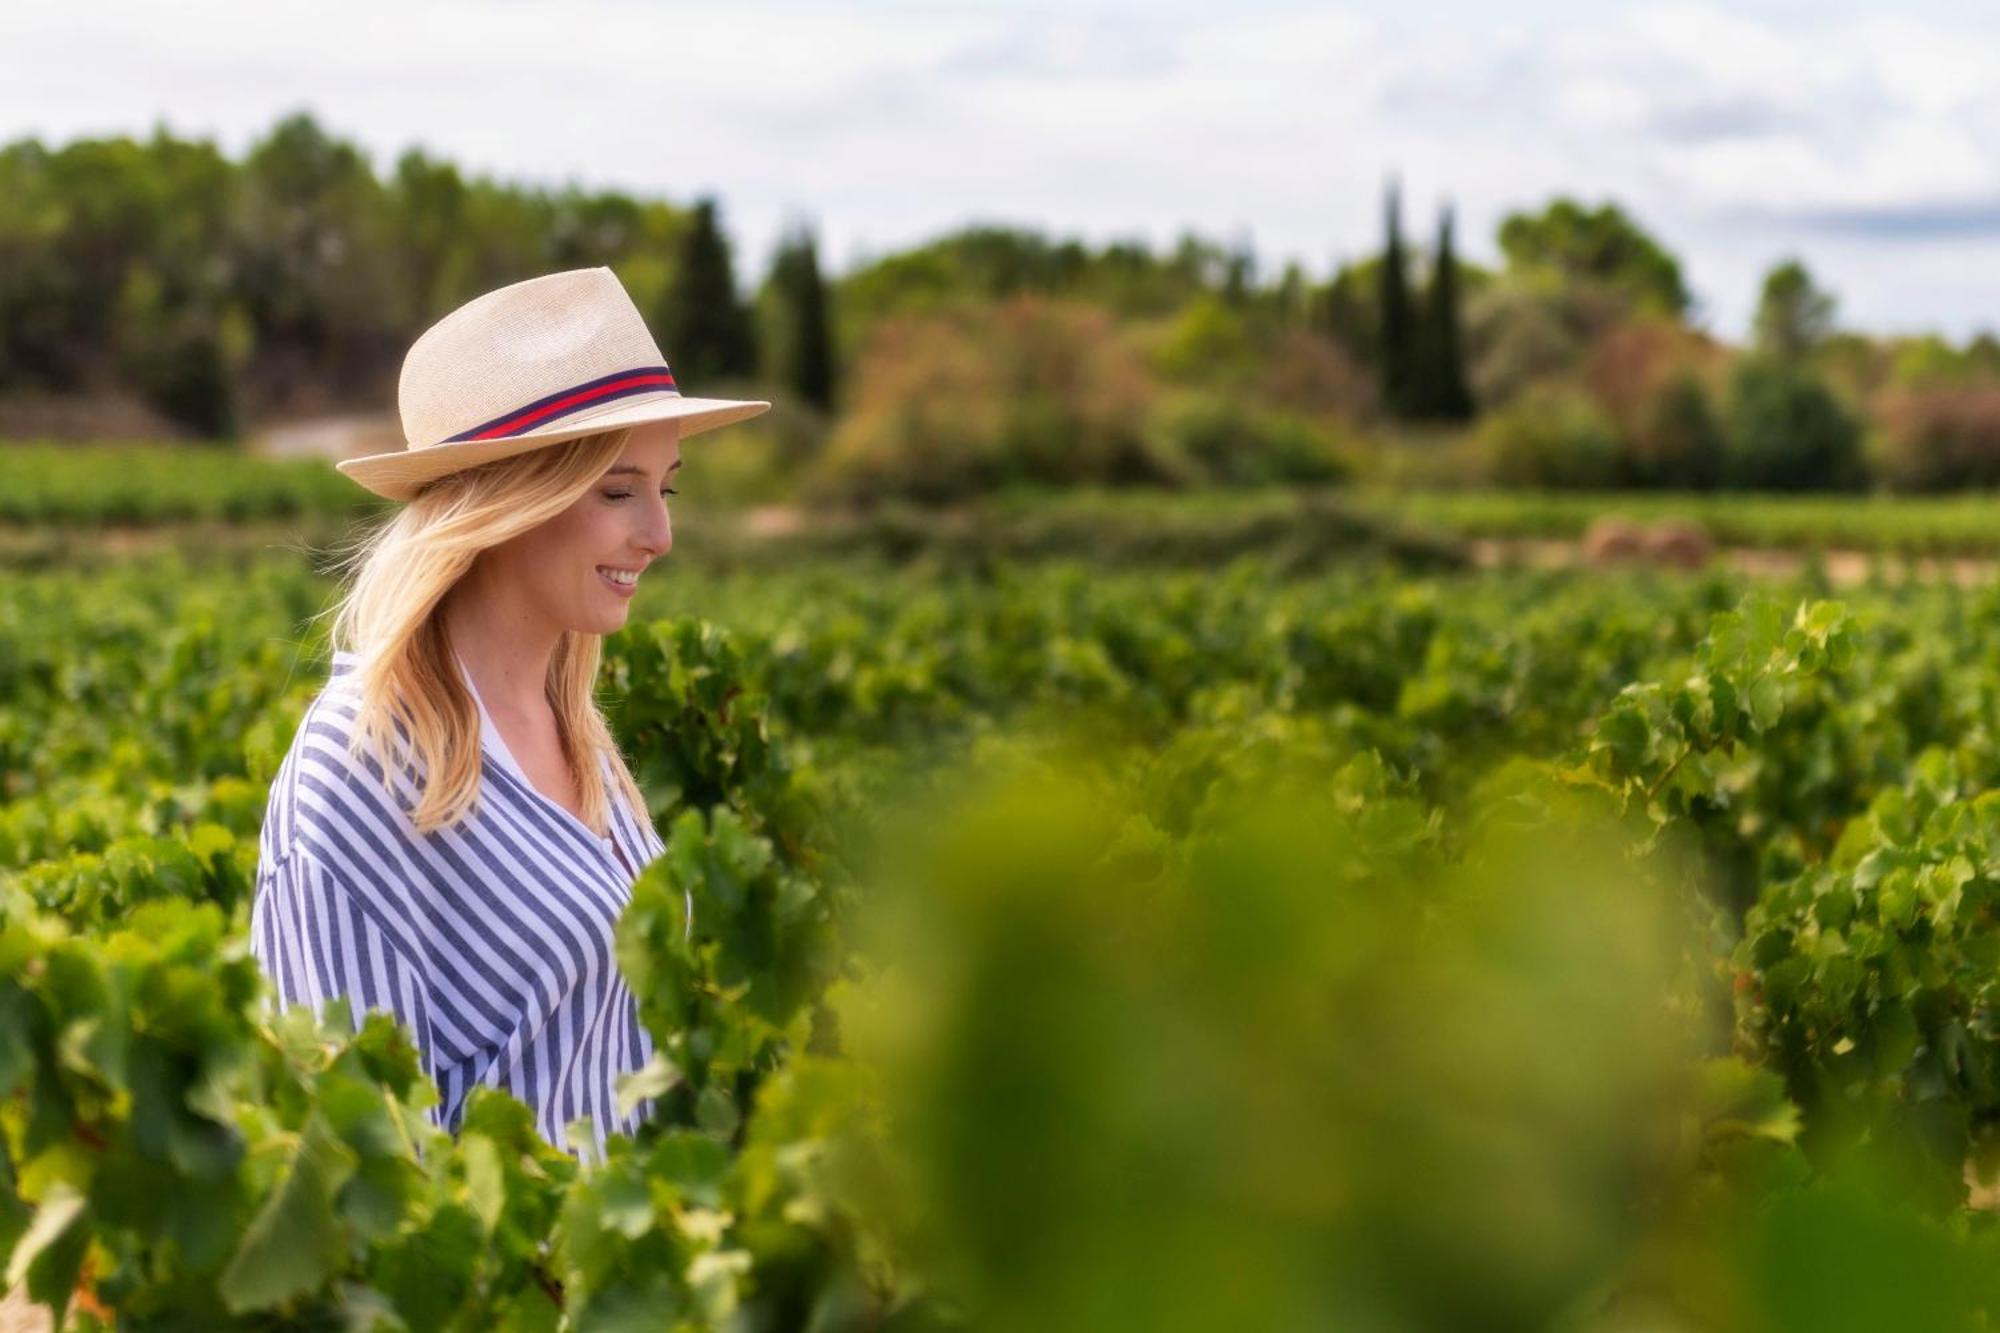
[1599,246]
[707,327]
[1288,300]
[1554,438]
[1793,315]
[1677,443]
[805,342]
[1393,298]
[320,269]
[1983,353]
[1441,391]
[1787,432]
[1346,309]
[115,275]
[1239,273]
[431,206]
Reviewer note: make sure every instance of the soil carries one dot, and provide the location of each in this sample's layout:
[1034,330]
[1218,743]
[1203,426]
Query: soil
[1843,568]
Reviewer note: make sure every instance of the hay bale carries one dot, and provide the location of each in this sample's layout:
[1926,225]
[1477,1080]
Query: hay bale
[1680,543]
[1611,541]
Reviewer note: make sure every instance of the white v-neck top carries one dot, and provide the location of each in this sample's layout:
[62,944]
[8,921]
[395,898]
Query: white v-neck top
[491,940]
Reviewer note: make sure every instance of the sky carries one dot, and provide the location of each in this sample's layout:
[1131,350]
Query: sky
[1861,139]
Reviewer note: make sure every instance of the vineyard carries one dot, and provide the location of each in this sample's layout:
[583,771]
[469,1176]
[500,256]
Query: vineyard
[1228,931]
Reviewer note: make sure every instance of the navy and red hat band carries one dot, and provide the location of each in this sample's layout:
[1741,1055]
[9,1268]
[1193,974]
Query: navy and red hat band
[563,402]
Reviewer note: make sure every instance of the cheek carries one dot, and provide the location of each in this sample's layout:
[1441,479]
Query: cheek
[580,535]
[550,557]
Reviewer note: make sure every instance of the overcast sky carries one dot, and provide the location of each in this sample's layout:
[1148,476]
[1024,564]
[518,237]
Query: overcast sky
[1864,141]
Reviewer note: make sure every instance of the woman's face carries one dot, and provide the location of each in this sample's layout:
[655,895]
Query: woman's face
[569,569]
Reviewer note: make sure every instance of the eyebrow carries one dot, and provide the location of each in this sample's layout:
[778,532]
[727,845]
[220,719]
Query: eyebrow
[623,468]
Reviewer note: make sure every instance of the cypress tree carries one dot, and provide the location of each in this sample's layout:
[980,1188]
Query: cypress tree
[1238,274]
[707,326]
[1442,390]
[807,343]
[1394,297]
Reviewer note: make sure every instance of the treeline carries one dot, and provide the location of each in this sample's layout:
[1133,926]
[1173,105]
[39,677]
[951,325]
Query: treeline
[221,293]
[1578,362]
[217,292]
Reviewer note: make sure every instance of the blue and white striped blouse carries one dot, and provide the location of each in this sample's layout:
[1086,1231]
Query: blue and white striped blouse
[490,940]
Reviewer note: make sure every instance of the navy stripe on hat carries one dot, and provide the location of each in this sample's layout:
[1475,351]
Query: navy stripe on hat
[552,407]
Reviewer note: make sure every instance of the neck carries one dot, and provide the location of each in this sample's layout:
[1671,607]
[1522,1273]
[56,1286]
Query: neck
[506,646]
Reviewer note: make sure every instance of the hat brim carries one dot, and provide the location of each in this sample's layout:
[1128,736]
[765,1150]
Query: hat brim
[400,473]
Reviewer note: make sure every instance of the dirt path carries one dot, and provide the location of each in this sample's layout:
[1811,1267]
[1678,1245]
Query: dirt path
[330,437]
[1843,568]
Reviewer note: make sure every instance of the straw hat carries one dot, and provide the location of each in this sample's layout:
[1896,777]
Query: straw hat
[530,364]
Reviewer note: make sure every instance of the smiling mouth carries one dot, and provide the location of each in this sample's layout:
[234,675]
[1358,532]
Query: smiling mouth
[624,578]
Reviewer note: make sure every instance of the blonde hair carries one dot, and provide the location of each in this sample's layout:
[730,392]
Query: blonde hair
[397,578]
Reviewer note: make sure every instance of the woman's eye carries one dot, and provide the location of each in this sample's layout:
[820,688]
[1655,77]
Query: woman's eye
[669,491]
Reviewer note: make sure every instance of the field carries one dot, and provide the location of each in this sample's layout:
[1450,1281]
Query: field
[1171,914]
[139,487]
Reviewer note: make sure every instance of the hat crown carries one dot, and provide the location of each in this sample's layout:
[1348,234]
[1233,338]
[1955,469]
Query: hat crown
[520,346]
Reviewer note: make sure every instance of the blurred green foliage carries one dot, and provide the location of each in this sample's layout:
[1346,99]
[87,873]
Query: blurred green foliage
[1072,944]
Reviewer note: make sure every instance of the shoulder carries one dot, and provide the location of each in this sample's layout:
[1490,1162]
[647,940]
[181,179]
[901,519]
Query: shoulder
[329,723]
[335,713]
[320,739]
[326,775]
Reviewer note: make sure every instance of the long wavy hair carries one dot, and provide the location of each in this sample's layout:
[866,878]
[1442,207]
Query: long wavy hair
[396,578]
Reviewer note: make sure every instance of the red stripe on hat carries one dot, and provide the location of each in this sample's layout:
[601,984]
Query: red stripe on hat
[624,384]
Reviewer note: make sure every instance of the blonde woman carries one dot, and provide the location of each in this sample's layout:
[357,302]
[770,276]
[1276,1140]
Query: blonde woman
[453,832]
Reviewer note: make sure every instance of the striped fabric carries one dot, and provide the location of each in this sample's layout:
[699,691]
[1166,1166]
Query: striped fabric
[491,940]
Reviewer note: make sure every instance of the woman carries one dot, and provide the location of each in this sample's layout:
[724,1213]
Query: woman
[453,832]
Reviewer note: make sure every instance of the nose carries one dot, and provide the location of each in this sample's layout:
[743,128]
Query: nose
[657,537]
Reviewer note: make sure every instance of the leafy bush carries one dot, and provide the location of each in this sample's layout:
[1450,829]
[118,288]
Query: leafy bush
[1552,438]
[1209,436]
[1305,371]
[1929,360]
[950,405]
[1941,438]
[1533,330]
[1787,432]
[1206,342]
[1676,441]
[1633,360]
[1516,337]
[1077,1040]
